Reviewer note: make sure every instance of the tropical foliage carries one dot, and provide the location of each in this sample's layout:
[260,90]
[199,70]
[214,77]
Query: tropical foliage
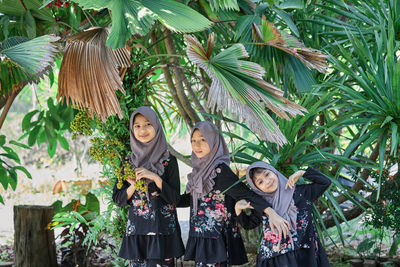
[292,82]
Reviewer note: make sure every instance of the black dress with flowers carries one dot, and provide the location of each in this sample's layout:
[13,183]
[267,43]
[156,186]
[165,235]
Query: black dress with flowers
[214,236]
[152,230]
[303,247]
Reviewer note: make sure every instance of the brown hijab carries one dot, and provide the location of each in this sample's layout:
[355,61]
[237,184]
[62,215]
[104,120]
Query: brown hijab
[149,155]
[201,180]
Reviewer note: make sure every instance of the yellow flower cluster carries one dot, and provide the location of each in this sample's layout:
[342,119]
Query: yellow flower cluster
[126,171]
[102,149]
[81,125]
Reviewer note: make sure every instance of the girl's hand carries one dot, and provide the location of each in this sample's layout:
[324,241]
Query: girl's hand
[131,181]
[131,189]
[144,173]
[293,179]
[277,223]
[241,205]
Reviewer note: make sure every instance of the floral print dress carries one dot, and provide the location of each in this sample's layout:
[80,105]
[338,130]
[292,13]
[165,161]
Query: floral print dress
[152,229]
[214,236]
[302,247]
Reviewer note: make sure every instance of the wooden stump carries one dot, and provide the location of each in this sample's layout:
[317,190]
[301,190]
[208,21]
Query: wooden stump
[34,244]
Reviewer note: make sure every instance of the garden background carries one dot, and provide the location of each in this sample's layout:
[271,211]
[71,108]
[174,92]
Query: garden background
[296,83]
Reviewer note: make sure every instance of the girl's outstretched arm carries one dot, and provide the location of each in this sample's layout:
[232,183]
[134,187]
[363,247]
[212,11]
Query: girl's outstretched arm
[247,221]
[319,185]
[240,191]
[184,201]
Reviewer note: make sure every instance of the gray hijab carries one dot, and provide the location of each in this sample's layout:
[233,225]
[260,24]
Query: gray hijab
[282,199]
[149,155]
[201,180]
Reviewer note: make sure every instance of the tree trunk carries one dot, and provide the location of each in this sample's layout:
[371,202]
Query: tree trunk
[179,78]
[34,243]
[171,85]
[10,99]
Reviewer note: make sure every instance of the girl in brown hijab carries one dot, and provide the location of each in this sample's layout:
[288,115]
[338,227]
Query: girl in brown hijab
[153,236]
[214,238]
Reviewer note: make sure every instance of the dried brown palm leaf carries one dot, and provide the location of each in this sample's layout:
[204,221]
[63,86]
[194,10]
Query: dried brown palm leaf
[268,34]
[90,73]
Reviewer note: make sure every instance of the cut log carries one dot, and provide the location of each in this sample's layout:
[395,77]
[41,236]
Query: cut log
[34,243]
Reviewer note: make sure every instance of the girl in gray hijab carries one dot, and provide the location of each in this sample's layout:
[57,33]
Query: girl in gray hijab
[294,204]
[214,238]
[153,235]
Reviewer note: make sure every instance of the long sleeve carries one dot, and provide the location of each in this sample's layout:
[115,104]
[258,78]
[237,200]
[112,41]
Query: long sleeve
[120,196]
[250,221]
[240,191]
[318,186]
[171,183]
[184,201]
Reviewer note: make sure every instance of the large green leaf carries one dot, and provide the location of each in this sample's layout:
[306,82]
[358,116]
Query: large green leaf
[92,203]
[176,16]
[24,170]
[92,4]
[137,17]
[15,8]
[30,24]
[128,17]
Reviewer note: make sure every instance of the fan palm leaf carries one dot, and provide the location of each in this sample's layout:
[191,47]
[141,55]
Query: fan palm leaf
[268,34]
[89,73]
[25,60]
[238,87]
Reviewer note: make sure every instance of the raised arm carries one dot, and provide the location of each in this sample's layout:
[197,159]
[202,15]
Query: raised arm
[319,185]
[240,191]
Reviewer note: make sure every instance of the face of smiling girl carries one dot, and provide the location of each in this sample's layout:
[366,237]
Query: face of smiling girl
[200,146]
[143,130]
[266,180]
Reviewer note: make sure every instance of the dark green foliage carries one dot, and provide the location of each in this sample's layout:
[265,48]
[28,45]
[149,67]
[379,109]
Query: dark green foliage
[385,211]
[49,126]
[9,164]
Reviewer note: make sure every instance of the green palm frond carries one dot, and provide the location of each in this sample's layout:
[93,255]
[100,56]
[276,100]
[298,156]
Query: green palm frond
[280,66]
[11,76]
[218,15]
[268,34]
[24,60]
[373,86]
[238,87]
[137,17]
[217,5]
